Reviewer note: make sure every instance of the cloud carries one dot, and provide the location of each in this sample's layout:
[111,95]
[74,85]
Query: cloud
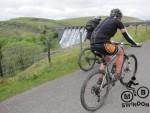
[58,9]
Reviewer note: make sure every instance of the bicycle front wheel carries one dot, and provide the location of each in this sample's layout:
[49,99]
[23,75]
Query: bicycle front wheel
[93,95]
[86,59]
[129,69]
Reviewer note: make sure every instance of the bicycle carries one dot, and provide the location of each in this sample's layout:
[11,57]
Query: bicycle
[100,91]
[87,59]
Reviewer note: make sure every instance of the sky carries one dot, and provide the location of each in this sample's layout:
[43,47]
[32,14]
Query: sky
[61,9]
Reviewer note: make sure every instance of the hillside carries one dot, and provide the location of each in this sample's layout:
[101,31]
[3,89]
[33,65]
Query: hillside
[25,27]
[32,27]
[83,20]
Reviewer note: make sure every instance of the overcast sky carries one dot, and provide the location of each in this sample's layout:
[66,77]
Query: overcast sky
[59,9]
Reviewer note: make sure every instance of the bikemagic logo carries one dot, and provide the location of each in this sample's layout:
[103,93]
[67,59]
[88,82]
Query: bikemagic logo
[141,94]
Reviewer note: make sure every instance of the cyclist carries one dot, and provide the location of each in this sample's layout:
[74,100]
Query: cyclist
[102,35]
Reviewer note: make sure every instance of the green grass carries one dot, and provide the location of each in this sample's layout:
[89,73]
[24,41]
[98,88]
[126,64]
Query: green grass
[62,64]
[37,22]
[25,27]
[82,20]
[141,35]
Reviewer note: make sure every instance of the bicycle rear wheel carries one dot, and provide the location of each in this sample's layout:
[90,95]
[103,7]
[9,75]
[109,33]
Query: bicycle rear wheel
[86,59]
[93,95]
[129,69]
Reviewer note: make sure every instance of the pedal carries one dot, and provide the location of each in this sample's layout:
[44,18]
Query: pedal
[98,99]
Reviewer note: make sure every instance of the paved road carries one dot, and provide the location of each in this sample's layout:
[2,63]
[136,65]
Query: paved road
[62,95]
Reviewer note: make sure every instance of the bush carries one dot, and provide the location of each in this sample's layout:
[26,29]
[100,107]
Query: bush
[19,56]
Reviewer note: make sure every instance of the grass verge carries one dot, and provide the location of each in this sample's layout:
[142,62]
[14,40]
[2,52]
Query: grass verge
[62,63]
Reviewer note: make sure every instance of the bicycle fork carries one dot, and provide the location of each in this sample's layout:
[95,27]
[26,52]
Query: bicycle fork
[96,89]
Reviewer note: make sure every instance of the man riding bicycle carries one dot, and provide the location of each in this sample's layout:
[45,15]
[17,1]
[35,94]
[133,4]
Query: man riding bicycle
[101,36]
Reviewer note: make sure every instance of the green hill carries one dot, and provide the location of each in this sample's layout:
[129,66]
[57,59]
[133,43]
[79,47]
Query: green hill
[25,27]
[83,20]
[32,27]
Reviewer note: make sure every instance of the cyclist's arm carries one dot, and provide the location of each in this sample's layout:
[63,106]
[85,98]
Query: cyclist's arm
[127,36]
[125,33]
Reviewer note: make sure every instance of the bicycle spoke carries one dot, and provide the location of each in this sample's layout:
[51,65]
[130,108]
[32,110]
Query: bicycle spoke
[86,59]
[94,93]
[129,69]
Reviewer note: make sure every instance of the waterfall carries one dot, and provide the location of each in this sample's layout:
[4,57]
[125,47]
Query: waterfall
[71,36]
[83,32]
[75,37]
[65,37]
[70,41]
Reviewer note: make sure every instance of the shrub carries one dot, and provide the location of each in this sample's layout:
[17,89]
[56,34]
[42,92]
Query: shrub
[19,56]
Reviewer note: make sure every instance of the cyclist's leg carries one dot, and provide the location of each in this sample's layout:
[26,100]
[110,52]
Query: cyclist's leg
[108,50]
[102,66]
[102,48]
[118,62]
[111,50]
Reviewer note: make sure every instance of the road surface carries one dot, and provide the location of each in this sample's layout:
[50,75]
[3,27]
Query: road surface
[63,95]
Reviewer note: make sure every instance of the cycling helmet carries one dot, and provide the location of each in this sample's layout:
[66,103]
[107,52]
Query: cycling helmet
[116,13]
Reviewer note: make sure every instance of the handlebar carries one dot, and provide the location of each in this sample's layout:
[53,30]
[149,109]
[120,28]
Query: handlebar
[122,43]
[136,45]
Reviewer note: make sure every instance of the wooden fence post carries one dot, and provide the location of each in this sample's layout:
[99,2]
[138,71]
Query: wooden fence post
[1,56]
[146,27]
[136,27]
[47,41]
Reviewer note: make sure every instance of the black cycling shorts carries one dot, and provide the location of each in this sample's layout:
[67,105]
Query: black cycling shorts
[105,48]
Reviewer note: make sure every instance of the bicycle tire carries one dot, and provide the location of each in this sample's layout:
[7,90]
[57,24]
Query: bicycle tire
[83,101]
[134,71]
[88,64]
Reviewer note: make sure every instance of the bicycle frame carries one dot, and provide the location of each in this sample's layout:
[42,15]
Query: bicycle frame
[107,70]
[109,65]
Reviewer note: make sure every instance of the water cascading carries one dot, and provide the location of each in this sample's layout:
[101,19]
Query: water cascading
[83,34]
[70,41]
[72,36]
[65,37]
